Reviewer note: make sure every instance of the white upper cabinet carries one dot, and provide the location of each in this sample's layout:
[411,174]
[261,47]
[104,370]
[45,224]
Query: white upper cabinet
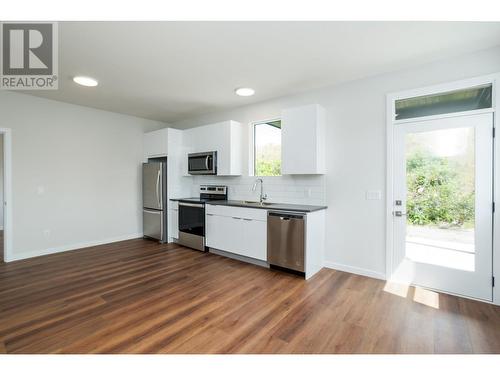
[224,137]
[156,143]
[303,140]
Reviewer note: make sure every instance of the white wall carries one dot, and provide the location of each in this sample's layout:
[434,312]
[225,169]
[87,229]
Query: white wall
[1,182]
[75,174]
[356,151]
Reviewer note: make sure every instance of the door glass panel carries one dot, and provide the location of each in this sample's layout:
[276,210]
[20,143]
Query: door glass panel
[440,199]
[449,102]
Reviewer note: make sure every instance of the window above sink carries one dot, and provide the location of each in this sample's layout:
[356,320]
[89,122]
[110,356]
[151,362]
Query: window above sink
[267,148]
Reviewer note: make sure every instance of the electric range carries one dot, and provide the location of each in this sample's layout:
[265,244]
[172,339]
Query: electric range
[192,216]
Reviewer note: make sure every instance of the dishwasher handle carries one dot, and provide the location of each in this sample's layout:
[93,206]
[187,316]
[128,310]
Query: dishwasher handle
[286,216]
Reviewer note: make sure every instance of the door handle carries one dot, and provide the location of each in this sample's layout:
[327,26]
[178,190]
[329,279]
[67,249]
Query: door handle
[157,187]
[182,204]
[206,162]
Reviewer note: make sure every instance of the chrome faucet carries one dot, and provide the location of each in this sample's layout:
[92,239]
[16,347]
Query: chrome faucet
[263,196]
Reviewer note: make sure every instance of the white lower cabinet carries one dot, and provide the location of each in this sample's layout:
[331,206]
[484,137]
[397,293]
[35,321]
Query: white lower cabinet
[243,231]
[174,223]
[219,230]
[242,234]
[254,239]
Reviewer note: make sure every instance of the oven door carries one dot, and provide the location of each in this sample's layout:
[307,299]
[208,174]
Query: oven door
[202,163]
[192,218]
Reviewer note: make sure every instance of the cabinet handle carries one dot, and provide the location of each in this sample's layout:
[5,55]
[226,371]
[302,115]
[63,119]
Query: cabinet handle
[237,218]
[248,219]
[210,214]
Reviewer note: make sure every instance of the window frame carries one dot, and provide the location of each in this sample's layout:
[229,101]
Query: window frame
[391,98]
[444,114]
[252,152]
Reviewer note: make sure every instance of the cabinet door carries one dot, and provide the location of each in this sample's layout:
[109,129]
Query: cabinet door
[303,140]
[254,239]
[213,233]
[156,143]
[174,223]
[221,232]
[235,235]
[224,233]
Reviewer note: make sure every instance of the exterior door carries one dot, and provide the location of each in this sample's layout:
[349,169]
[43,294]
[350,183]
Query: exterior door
[443,207]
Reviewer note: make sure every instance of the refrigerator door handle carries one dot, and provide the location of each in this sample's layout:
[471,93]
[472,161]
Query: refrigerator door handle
[157,189]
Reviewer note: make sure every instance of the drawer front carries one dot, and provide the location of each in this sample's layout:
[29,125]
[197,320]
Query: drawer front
[240,212]
[152,224]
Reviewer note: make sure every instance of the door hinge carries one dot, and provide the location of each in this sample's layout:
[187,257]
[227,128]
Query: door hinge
[493,281]
[494,132]
[493,207]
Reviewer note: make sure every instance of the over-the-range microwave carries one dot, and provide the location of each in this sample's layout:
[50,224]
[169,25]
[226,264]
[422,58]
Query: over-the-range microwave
[202,163]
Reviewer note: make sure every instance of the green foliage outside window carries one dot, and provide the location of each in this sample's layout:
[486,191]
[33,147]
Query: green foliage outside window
[437,193]
[268,167]
[267,160]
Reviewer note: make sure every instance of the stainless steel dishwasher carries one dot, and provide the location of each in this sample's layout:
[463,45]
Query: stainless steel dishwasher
[285,240]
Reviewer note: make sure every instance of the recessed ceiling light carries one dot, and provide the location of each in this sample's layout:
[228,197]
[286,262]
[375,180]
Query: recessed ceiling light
[85,81]
[244,91]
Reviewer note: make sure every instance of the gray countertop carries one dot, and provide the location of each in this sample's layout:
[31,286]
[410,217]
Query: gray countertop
[271,207]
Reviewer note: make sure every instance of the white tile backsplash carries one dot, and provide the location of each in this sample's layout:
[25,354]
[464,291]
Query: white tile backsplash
[283,189]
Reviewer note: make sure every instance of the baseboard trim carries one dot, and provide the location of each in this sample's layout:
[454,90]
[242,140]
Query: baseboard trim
[77,246]
[241,258]
[355,270]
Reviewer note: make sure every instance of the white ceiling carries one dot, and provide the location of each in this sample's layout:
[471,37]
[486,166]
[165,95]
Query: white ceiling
[169,71]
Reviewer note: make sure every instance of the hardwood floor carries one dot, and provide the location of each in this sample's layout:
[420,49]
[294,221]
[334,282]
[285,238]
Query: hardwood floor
[142,297]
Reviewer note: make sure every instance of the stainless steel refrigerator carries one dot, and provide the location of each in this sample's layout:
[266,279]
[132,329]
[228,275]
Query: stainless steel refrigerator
[154,198]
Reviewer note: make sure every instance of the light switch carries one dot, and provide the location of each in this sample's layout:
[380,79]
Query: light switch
[373,195]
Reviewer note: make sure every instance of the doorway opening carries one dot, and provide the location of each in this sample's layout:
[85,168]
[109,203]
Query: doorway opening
[5,196]
[1,199]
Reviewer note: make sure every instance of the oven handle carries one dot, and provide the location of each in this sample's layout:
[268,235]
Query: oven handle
[191,204]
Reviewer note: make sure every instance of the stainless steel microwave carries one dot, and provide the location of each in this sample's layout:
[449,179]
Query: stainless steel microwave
[202,163]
